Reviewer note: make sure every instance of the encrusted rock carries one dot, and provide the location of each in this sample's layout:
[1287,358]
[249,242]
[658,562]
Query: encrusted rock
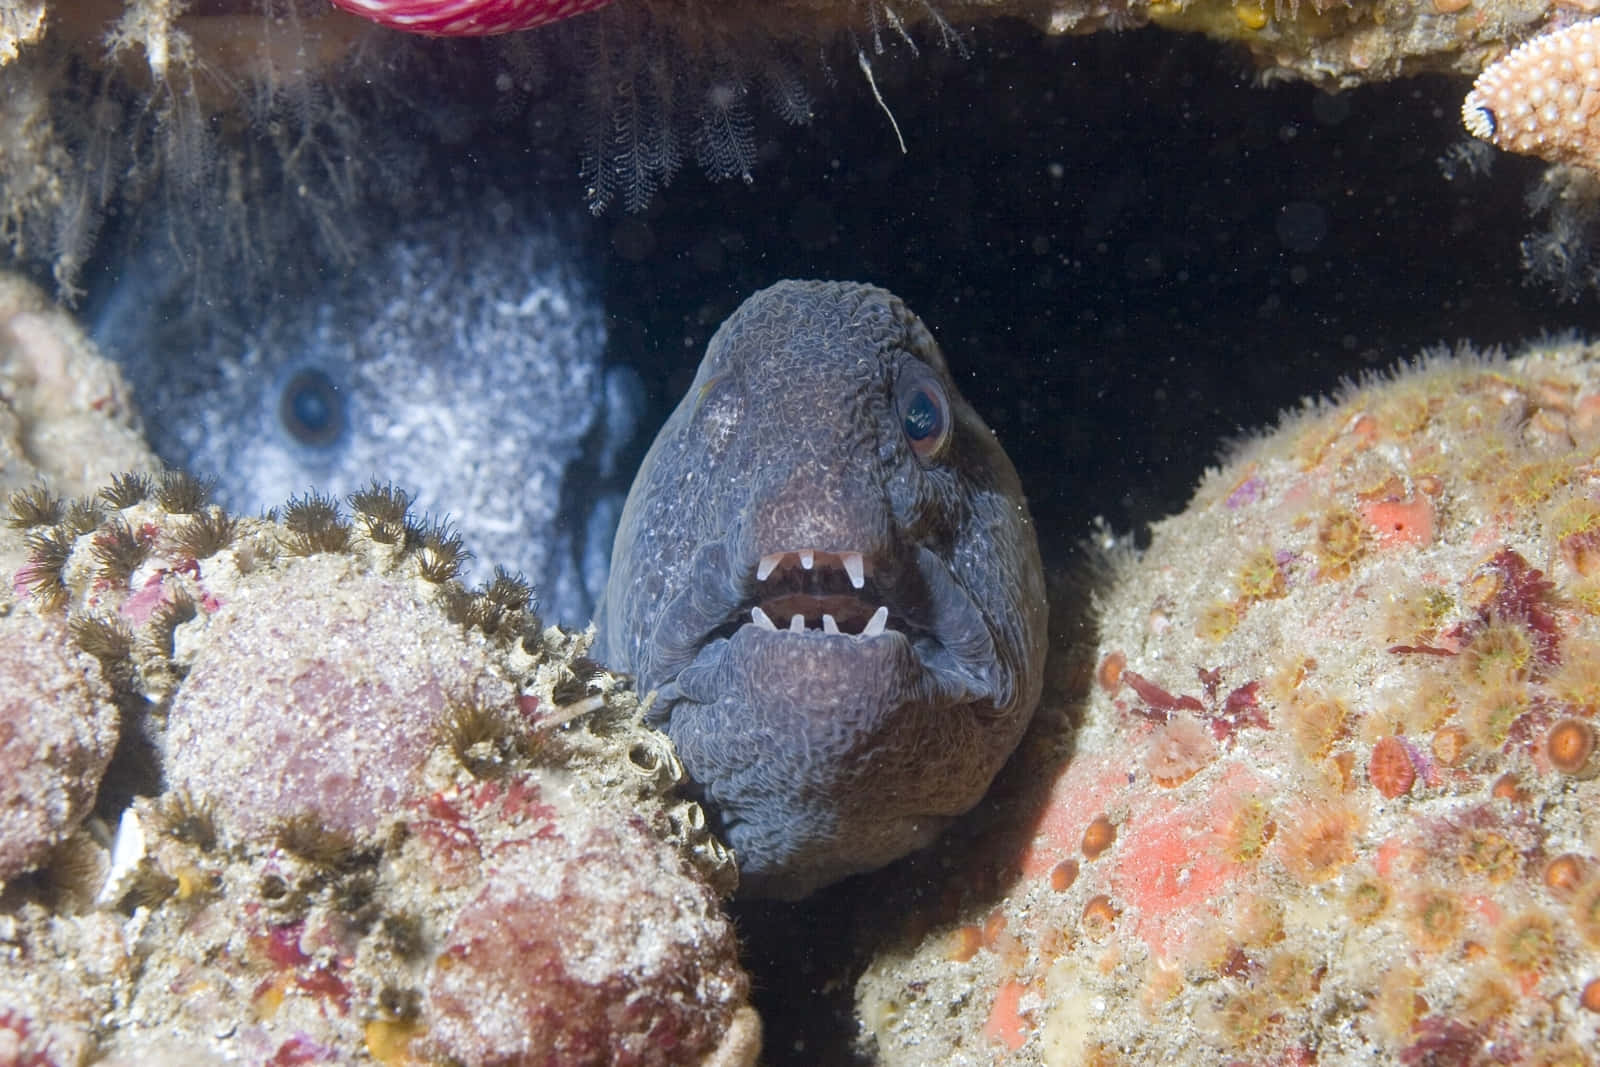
[366,797]
[57,732]
[1341,724]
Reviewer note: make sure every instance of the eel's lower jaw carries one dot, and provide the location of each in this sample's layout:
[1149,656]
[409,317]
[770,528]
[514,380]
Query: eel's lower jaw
[812,665]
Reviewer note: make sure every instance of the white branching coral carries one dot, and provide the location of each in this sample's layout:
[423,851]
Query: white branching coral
[1543,98]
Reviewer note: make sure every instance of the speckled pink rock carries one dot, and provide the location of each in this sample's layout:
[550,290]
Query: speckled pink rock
[585,943]
[57,732]
[323,705]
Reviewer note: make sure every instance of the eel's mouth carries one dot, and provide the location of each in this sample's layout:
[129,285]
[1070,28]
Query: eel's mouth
[906,609]
[805,589]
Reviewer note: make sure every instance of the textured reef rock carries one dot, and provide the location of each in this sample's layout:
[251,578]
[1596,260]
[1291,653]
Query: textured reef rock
[1332,797]
[355,812]
[1343,45]
[57,732]
[65,411]
[21,23]
[465,360]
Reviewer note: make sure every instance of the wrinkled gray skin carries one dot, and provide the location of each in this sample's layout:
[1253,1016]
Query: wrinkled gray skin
[464,362]
[821,755]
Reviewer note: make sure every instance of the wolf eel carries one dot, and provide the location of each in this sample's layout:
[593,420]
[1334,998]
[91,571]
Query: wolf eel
[827,572]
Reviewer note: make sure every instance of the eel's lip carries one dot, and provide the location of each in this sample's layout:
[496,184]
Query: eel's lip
[824,596]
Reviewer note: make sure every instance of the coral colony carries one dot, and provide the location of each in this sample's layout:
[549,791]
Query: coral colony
[1542,99]
[1333,797]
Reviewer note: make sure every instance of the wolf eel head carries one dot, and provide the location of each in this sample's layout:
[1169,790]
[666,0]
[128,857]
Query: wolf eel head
[827,571]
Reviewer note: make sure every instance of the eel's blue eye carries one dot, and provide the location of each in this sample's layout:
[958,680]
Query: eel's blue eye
[311,409]
[924,412]
[922,417]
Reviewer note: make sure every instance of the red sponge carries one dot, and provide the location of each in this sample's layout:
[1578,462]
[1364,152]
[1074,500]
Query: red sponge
[465,18]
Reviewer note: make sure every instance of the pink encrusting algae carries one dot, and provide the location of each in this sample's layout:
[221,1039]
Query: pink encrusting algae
[1342,721]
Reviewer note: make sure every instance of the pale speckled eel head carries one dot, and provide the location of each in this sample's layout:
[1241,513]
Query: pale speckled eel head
[827,570]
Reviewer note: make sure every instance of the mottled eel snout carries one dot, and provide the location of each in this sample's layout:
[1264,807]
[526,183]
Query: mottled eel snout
[827,571]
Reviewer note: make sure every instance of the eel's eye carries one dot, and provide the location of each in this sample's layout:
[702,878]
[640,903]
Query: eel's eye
[924,413]
[311,409]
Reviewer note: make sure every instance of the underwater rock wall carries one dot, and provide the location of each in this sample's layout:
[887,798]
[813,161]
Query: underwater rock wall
[329,111]
[1332,796]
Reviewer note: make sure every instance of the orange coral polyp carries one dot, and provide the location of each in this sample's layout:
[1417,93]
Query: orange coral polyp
[1590,997]
[1319,841]
[1178,751]
[1564,874]
[1098,836]
[1570,746]
[1390,770]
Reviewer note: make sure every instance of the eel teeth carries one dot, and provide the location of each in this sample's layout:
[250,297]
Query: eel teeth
[830,625]
[854,563]
[876,624]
